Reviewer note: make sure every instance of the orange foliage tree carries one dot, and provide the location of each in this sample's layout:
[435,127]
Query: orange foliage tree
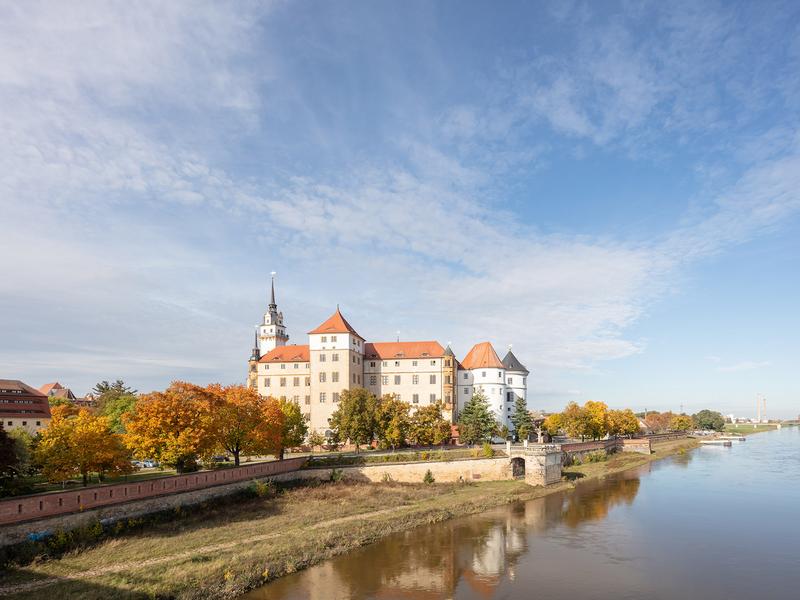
[79,444]
[658,422]
[246,423]
[174,427]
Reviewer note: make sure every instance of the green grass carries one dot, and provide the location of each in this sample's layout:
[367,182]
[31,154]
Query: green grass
[394,457]
[748,428]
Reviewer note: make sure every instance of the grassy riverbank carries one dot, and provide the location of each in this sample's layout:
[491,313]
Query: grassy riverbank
[224,550]
[747,429]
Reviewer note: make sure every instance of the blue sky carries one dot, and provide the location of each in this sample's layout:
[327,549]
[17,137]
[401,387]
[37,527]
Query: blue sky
[613,188]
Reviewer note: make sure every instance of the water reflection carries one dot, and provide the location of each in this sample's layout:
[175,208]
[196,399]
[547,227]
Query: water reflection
[465,558]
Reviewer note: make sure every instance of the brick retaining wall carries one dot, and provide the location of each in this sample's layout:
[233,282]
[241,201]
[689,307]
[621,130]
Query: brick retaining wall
[37,506]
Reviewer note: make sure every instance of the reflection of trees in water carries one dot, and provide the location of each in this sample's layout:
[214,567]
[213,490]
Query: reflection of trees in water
[593,502]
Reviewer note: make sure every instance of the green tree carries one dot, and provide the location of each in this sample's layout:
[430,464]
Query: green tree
[521,419]
[315,438]
[24,447]
[9,461]
[114,407]
[295,426]
[355,419]
[105,392]
[476,423]
[392,422]
[709,419]
[428,427]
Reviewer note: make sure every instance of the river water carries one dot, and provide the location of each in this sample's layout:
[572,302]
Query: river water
[715,523]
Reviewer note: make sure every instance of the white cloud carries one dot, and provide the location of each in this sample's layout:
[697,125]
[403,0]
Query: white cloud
[747,365]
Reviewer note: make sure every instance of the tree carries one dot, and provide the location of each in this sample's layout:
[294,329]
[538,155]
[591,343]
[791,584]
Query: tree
[553,423]
[476,423]
[392,422]
[24,446]
[354,420]
[709,419]
[115,406]
[521,419]
[174,427]
[575,421]
[79,445]
[315,438]
[596,419]
[9,461]
[295,426]
[658,422]
[681,423]
[106,392]
[622,422]
[242,422]
[428,427]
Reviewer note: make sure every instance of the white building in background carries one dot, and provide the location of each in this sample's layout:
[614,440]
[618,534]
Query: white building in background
[337,358]
[501,381]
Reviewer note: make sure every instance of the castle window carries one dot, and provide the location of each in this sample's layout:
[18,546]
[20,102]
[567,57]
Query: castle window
[322,376]
[321,358]
[333,338]
[335,396]
[397,379]
[413,363]
[372,363]
[296,399]
[266,381]
[415,398]
[397,363]
[385,364]
[283,365]
[524,379]
[433,378]
[296,365]
[510,380]
[373,380]
[322,397]
[465,376]
[483,373]
[433,398]
[323,339]
[335,377]
[334,357]
[466,390]
[385,380]
[308,381]
[447,398]
[500,374]
[354,358]
[359,380]
[397,397]
[296,381]
[354,377]
[283,381]
[415,379]
[447,379]
[308,399]
[433,363]
[447,363]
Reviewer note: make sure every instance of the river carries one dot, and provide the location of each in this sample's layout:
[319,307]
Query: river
[714,523]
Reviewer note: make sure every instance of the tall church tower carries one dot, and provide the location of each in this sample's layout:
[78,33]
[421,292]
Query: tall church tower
[272,332]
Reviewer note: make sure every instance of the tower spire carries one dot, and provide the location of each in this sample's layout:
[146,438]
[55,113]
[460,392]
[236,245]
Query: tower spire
[272,302]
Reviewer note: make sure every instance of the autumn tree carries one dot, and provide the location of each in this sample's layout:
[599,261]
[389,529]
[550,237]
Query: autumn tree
[575,421]
[622,422]
[355,418]
[295,425]
[79,445]
[242,422]
[681,423]
[658,422]
[521,419]
[428,427]
[392,422]
[174,427]
[596,419]
[476,423]
[553,424]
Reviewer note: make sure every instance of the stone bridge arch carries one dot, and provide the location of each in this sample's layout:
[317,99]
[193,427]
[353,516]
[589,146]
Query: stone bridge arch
[538,464]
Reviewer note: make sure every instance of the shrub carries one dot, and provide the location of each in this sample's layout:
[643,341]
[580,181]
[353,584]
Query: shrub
[386,478]
[488,451]
[336,475]
[428,477]
[598,456]
[262,489]
[425,455]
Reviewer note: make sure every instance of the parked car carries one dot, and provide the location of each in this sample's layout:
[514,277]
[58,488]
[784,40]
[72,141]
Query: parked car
[137,463]
[149,464]
[219,458]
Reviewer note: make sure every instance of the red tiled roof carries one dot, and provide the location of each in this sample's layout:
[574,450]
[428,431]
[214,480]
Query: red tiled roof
[387,350]
[336,323]
[482,356]
[47,387]
[286,354]
[18,399]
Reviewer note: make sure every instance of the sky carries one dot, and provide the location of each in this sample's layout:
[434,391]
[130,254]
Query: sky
[613,188]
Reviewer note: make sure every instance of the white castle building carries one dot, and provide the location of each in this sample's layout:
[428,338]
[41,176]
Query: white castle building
[337,357]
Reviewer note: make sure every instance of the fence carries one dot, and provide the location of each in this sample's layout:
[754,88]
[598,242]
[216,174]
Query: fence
[26,508]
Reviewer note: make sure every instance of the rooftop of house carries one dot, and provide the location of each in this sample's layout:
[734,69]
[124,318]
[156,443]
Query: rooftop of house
[482,356]
[387,350]
[336,323]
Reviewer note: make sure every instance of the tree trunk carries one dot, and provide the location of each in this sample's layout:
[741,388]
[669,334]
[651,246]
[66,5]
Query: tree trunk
[235,458]
[85,478]
[280,454]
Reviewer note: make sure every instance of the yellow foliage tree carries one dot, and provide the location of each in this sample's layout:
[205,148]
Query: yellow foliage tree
[596,415]
[553,424]
[622,422]
[681,423]
[175,426]
[80,444]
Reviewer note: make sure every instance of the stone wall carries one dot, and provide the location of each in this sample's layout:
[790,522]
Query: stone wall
[469,469]
[640,445]
[38,506]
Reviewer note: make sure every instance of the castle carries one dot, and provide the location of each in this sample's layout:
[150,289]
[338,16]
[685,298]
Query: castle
[338,358]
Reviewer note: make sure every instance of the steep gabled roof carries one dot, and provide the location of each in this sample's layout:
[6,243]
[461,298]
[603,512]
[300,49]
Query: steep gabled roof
[286,354]
[336,323]
[512,364]
[389,350]
[48,387]
[482,356]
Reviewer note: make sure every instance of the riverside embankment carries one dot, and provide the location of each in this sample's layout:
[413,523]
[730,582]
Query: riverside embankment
[225,549]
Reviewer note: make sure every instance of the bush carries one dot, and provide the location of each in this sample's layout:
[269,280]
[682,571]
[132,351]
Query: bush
[386,478]
[336,475]
[488,451]
[598,456]
[262,489]
[428,477]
